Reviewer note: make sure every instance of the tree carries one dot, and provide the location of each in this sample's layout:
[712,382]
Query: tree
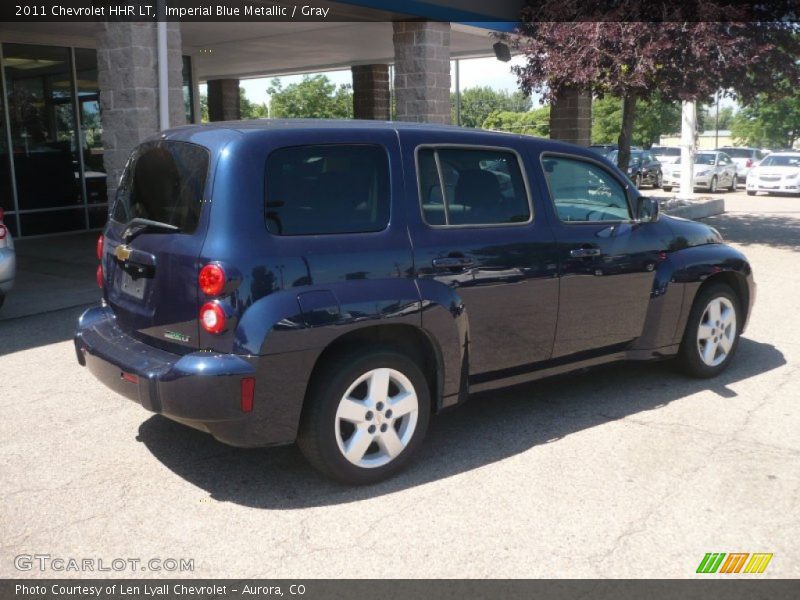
[630,56]
[768,123]
[251,110]
[477,103]
[535,122]
[315,97]
[654,117]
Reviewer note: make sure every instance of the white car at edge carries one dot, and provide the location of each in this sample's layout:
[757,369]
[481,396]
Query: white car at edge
[778,173]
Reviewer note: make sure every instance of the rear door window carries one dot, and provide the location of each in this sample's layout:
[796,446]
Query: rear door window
[163,181]
[481,187]
[327,189]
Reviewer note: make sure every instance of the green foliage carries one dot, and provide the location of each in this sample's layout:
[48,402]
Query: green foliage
[654,117]
[251,110]
[768,123]
[478,103]
[203,108]
[535,122]
[315,97]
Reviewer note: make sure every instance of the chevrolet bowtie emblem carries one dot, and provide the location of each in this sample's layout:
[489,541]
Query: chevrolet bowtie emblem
[122,252]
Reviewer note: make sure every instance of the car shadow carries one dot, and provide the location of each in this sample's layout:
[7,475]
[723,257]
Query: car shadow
[489,428]
[778,230]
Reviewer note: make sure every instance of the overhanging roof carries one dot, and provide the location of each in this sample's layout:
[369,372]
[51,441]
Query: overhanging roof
[255,49]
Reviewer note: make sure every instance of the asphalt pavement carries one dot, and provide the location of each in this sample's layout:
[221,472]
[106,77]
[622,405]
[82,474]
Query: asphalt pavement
[631,470]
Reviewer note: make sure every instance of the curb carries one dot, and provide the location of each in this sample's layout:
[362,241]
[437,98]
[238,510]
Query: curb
[699,209]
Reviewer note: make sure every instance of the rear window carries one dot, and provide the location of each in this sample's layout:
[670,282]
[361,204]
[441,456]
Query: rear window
[738,152]
[327,189]
[662,151]
[163,181]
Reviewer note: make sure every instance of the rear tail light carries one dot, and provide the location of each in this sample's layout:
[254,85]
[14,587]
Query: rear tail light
[100,244]
[130,377]
[3,231]
[248,389]
[212,317]
[749,162]
[211,280]
[2,214]
[99,276]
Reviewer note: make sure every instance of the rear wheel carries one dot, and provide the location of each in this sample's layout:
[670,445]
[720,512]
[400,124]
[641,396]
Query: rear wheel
[734,184]
[712,332]
[366,414]
[750,193]
[667,188]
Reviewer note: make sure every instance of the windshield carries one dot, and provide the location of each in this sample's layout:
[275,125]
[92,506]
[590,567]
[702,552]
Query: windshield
[163,182]
[781,161]
[704,159]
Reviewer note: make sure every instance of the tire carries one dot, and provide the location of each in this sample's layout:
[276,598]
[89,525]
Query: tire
[707,348]
[2,299]
[734,184]
[750,193]
[638,181]
[340,415]
[659,180]
[712,185]
[667,188]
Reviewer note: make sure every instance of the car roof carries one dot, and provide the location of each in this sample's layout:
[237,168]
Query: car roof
[217,133]
[785,153]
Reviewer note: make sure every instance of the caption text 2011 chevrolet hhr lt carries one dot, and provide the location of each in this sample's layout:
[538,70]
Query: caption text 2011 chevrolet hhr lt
[335,283]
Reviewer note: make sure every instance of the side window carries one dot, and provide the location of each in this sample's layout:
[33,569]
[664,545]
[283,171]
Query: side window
[583,191]
[465,186]
[327,189]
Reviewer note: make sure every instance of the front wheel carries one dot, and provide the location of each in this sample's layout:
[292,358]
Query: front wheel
[659,180]
[366,413]
[712,187]
[667,188]
[712,332]
[750,193]
[638,181]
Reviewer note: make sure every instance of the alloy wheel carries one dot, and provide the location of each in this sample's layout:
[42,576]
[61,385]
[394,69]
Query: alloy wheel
[716,332]
[376,418]
[712,187]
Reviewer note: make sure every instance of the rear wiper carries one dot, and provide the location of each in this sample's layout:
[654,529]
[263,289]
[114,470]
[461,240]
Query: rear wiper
[140,225]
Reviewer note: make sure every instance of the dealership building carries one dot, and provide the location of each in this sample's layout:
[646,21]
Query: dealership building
[77,97]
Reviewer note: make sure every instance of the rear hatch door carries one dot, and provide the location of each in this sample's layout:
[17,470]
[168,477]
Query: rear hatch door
[153,241]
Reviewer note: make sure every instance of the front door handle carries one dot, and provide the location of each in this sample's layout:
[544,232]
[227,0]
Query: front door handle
[452,262]
[585,252]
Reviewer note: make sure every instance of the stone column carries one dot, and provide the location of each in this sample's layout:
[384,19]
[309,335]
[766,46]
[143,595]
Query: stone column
[223,100]
[371,92]
[127,74]
[571,117]
[422,71]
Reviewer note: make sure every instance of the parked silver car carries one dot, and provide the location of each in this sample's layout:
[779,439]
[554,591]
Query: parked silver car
[712,170]
[745,159]
[8,260]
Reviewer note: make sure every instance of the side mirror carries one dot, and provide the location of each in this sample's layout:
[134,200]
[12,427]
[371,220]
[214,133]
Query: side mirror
[647,209]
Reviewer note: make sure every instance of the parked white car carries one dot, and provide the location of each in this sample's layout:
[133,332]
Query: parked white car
[666,155]
[777,173]
[8,260]
[712,170]
[745,159]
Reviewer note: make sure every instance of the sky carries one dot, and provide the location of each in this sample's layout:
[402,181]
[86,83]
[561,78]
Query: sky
[472,73]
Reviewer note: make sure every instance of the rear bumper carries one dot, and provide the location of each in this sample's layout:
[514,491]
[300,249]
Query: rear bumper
[201,389]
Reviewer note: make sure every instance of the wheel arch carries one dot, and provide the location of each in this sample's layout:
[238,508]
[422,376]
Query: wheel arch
[410,340]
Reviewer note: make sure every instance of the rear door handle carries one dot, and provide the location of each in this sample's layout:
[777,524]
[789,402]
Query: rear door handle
[585,252]
[452,262]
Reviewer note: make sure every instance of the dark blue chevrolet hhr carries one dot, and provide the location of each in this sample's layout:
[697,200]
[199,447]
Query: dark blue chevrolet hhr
[335,283]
